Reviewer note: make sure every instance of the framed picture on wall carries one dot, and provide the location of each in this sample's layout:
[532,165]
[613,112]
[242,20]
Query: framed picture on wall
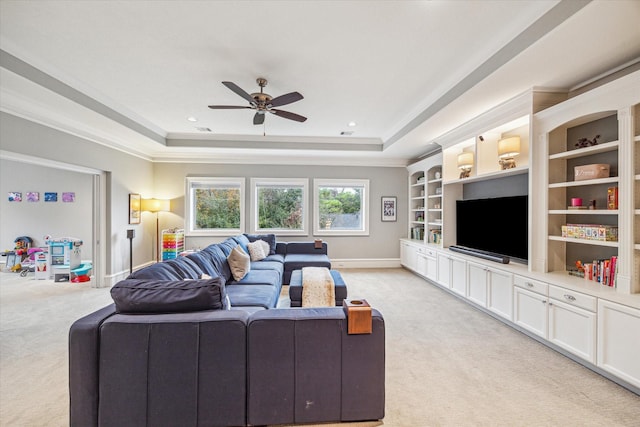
[389,208]
[134,208]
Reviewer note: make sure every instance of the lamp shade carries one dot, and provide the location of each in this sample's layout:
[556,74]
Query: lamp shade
[509,147]
[465,160]
[156,205]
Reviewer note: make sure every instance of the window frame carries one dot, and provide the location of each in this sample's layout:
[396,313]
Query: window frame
[318,183]
[293,182]
[190,211]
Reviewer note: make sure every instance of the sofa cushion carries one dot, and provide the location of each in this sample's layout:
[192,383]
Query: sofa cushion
[263,296]
[269,238]
[256,250]
[168,296]
[204,260]
[242,240]
[217,255]
[159,271]
[239,262]
[185,267]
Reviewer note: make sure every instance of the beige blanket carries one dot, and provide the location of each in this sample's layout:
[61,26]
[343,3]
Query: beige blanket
[318,289]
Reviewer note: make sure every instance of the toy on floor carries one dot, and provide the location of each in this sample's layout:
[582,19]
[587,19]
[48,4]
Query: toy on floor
[29,264]
[81,273]
[18,254]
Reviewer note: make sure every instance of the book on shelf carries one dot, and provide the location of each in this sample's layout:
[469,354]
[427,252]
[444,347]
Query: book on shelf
[435,236]
[612,198]
[417,233]
[603,271]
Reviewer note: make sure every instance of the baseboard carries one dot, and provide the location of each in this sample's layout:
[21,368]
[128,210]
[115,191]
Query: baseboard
[112,279]
[366,263]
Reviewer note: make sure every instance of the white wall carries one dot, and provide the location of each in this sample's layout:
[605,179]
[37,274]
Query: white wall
[37,219]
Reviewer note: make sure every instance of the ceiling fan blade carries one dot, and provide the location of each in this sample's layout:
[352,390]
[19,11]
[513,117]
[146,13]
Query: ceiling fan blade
[258,118]
[288,115]
[226,107]
[234,87]
[286,99]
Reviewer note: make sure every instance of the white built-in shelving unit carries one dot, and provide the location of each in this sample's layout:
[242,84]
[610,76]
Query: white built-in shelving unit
[594,324]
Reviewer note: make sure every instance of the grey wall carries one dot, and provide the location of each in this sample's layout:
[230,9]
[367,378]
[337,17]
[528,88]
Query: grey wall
[383,239]
[37,219]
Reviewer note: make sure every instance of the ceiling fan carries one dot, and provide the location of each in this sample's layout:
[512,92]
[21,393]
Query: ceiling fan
[263,102]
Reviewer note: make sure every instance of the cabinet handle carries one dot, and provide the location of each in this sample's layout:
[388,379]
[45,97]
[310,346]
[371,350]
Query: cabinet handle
[569,297]
[544,301]
[550,304]
[529,284]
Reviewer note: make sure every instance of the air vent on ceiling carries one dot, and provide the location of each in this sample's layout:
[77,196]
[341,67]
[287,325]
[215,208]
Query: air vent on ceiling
[346,132]
[203,129]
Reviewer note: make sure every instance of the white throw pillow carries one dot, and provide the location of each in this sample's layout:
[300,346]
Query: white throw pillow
[256,250]
[265,247]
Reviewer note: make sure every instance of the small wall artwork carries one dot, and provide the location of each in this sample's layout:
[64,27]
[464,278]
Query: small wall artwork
[50,197]
[33,196]
[14,196]
[68,197]
[389,208]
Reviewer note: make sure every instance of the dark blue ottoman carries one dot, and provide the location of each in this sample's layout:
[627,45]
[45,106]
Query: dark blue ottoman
[295,287]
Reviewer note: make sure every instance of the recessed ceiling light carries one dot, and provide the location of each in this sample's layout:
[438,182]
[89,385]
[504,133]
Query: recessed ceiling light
[352,124]
[192,119]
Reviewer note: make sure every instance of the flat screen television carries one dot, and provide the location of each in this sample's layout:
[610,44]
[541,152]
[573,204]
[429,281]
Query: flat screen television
[498,225]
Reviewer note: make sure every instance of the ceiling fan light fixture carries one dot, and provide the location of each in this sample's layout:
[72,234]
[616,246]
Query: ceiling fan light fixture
[262,102]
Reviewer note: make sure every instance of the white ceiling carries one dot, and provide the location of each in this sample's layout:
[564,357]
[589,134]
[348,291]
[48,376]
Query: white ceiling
[129,73]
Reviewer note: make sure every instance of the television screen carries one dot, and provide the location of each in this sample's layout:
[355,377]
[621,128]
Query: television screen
[499,225]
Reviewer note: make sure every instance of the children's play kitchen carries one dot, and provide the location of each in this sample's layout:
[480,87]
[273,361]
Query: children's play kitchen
[64,256]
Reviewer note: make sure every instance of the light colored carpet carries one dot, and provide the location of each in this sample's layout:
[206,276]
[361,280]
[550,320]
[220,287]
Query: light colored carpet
[447,364]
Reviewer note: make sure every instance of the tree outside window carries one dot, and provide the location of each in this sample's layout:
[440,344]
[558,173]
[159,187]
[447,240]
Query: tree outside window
[215,206]
[279,206]
[341,207]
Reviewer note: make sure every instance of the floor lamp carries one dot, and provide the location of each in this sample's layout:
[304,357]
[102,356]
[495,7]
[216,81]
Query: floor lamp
[156,206]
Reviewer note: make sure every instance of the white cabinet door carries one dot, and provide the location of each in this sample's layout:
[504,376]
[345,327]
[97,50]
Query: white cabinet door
[432,267]
[458,276]
[409,256]
[618,341]
[530,311]
[421,265]
[500,297]
[573,328]
[443,276]
[477,280]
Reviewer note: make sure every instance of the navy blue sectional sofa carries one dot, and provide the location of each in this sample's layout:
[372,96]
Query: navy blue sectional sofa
[184,344]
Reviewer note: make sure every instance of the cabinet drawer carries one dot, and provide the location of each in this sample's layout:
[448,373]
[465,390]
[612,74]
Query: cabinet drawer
[531,285]
[574,298]
[431,253]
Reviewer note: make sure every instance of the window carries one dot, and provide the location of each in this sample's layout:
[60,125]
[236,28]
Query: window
[341,207]
[279,206]
[215,206]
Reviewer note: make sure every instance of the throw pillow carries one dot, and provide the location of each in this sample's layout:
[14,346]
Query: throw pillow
[269,238]
[256,250]
[265,247]
[239,262]
[168,296]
